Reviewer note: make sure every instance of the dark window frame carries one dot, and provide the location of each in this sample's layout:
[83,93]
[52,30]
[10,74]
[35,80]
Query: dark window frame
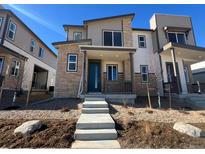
[8,30]
[1,23]
[2,67]
[39,55]
[32,46]
[15,68]
[68,62]
[145,43]
[147,73]
[176,35]
[113,43]
[112,65]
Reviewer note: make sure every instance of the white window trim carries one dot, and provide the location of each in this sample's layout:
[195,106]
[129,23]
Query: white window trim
[147,73]
[1,66]
[112,31]
[17,67]
[69,62]
[14,31]
[33,45]
[79,33]
[177,36]
[186,74]
[112,77]
[145,45]
[43,52]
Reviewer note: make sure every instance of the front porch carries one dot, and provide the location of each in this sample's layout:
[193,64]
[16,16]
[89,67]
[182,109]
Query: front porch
[176,61]
[108,70]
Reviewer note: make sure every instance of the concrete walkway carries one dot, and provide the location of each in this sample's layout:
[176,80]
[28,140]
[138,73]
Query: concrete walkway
[95,128]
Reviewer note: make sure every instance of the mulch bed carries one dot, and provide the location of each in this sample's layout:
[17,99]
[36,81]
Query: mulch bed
[53,134]
[143,134]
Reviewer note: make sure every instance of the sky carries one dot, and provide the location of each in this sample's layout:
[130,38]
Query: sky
[47,20]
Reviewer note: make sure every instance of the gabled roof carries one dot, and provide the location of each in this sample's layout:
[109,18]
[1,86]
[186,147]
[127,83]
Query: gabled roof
[9,11]
[110,17]
[66,27]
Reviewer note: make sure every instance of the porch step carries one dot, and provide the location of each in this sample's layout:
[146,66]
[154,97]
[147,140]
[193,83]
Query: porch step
[95,104]
[95,110]
[95,134]
[95,121]
[94,98]
[99,144]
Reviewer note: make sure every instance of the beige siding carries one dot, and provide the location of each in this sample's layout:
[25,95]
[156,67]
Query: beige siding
[3,24]
[160,21]
[95,29]
[23,40]
[71,31]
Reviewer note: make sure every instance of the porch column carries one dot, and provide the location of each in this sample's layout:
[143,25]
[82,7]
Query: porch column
[84,72]
[132,72]
[175,69]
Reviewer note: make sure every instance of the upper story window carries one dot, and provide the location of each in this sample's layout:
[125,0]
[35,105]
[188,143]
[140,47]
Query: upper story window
[1,64]
[11,30]
[142,41]
[1,21]
[77,35]
[144,73]
[41,53]
[33,45]
[112,72]
[72,63]
[15,66]
[112,38]
[177,37]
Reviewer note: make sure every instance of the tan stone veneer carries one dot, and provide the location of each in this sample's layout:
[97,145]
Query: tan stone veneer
[67,83]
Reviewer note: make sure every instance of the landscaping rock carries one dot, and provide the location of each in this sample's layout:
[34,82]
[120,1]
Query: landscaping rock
[28,127]
[189,129]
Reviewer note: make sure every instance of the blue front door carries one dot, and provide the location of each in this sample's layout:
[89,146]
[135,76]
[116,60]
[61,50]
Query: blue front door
[94,77]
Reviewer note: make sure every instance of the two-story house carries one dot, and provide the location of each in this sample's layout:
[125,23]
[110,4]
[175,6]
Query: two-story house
[25,60]
[108,56]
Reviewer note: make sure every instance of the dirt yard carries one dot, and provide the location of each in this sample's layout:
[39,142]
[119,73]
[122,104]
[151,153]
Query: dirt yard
[153,128]
[53,134]
[144,134]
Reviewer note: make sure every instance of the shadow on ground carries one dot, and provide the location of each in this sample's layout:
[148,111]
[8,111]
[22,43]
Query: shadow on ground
[54,104]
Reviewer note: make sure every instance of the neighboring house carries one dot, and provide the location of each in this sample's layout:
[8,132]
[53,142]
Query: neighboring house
[25,60]
[199,75]
[107,55]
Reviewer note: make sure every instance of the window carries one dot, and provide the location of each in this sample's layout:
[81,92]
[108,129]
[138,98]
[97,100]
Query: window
[142,41]
[33,44]
[72,63]
[1,64]
[144,73]
[41,52]
[112,72]
[177,37]
[77,35]
[112,38]
[15,66]
[11,30]
[186,73]
[1,21]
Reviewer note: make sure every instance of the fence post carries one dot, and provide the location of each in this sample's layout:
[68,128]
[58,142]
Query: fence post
[170,104]
[148,95]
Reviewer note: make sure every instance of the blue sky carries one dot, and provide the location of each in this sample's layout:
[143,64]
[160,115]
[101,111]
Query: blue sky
[47,20]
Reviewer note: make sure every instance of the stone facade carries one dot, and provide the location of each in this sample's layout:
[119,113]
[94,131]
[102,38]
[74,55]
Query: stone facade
[12,82]
[67,83]
[141,88]
[127,32]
